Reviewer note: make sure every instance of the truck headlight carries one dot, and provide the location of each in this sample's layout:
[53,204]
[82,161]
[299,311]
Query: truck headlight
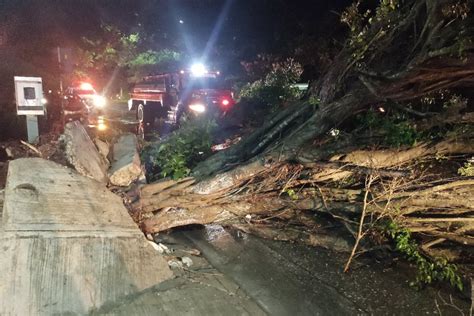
[101,126]
[99,101]
[197,107]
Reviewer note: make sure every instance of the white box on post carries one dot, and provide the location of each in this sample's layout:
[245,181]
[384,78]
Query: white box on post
[29,96]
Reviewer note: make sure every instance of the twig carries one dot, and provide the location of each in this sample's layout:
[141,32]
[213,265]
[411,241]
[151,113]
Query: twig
[451,304]
[33,148]
[322,197]
[360,233]
[471,310]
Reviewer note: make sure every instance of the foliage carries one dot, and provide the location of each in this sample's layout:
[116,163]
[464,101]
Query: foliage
[399,134]
[151,61]
[179,153]
[112,49]
[291,193]
[275,88]
[151,57]
[457,10]
[115,53]
[258,68]
[467,170]
[397,131]
[361,23]
[429,271]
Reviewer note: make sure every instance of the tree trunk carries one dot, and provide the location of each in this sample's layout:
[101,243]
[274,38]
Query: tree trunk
[278,170]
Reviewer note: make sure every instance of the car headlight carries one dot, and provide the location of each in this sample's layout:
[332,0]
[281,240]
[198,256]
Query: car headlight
[197,107]
[99,101]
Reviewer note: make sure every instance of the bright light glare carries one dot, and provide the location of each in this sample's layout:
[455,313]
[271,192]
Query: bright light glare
[198,69]
[86,86]
[99,101]
[225,102]
[101,126]
[44,101]
[197,107]
[181,21]
[381,109]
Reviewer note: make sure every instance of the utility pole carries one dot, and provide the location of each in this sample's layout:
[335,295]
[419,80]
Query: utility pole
[60,72]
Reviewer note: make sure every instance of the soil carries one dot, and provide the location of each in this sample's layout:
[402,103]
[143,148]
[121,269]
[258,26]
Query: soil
[3,174]
[49,146]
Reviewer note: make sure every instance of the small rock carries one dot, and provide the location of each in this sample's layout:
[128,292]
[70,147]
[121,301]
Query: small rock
[126,166]
[160,247]
[175,264]
[9,152]
[149,237]
[187,261]
[103,147]
[193,252]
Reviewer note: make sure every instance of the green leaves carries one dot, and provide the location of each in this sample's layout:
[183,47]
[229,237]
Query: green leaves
[399,134]
[113,49]
[275,88]
[176,156]
[429,271]
[151,57]
[467,170]
[396,130]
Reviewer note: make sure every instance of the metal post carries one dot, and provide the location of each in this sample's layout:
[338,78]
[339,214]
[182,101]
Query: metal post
[60,71]
[32,128]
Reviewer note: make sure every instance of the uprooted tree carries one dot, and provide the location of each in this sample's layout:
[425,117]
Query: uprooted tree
[314,161]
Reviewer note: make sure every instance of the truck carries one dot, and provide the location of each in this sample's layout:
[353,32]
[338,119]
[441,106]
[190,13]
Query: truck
[175,97]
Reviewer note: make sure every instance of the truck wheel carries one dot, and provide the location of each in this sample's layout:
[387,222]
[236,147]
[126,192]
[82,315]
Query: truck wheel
[146,114]
[140,113]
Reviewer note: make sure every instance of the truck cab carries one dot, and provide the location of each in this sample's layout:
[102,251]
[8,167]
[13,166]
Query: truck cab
[177,96]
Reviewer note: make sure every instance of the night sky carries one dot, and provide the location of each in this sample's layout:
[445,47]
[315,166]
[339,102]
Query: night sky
[252,26]
[226,32]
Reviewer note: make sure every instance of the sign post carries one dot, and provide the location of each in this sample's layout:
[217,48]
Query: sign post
[29,96]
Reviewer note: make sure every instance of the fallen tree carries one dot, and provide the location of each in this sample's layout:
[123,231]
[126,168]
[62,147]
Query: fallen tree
[293,175]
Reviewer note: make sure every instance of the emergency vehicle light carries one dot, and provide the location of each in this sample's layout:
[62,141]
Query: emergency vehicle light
[198,69]
[86,86]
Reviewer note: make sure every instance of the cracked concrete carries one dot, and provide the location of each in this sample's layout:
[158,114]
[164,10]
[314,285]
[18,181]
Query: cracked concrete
[69,247]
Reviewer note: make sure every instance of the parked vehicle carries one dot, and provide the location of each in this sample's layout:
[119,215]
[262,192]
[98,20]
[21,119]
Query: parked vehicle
[82,102]
[178,96]
[86,92]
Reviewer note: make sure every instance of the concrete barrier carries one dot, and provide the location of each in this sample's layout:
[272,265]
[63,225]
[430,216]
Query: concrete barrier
[82,154]
[126,166]
[68,244]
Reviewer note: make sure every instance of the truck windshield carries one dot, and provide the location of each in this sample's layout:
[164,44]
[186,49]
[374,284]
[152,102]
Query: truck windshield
[84,91]
[205,83]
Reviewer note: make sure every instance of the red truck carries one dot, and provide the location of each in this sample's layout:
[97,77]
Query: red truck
[178,96]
